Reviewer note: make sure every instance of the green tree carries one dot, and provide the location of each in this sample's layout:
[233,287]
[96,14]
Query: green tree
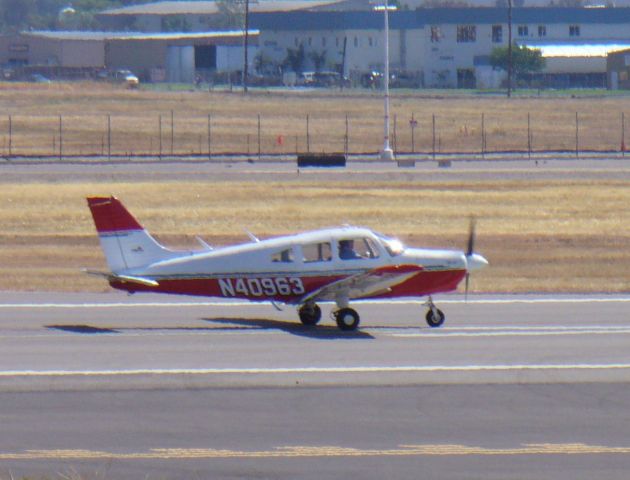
[231,14]
[18,15]
[295,58]
[318,59]
[524,60]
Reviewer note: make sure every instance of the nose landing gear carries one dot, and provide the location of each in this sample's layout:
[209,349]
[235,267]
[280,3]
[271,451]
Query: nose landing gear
[347,319]
[435,317]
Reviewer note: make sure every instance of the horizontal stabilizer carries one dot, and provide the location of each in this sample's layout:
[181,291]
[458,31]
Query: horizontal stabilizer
[148,282]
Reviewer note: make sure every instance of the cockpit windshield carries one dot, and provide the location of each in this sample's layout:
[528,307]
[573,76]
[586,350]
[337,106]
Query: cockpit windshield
[393,246]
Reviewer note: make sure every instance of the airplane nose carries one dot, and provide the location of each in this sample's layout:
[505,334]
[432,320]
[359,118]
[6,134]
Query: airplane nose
[475,262]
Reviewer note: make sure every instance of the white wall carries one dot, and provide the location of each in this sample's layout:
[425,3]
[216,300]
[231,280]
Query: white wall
[230,58]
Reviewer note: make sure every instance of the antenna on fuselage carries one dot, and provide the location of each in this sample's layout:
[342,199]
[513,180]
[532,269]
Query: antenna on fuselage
[252,237]
[205,245]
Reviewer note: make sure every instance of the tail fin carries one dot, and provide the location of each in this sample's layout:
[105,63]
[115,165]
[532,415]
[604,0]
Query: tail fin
[124,241]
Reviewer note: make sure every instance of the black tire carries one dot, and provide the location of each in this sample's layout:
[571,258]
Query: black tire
[435,320]
[310,315]
[347,319]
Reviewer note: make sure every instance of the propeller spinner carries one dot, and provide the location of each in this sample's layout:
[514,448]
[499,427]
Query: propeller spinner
[474,261]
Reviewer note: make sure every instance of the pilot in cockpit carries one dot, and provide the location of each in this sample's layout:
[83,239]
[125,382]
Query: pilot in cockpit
[346,250]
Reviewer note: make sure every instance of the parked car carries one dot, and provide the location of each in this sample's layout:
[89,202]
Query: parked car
[119,76]
[126,77]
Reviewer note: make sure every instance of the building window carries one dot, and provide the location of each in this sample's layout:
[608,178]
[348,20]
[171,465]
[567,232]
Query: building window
[497,33]
[574,30]
[436,34]
[523,31]
[466,33]
[542,31]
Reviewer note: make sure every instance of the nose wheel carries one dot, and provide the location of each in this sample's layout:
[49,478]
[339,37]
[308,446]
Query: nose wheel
[347,319]
[435,317]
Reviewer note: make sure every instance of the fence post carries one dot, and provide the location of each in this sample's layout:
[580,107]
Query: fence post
[308,138]
[160,136]
[259,147]
[529,138]
[172,132]
[413,124]
[577,135]
[483,135]
[623,135]
[209,136]
[60,138]
[345,138]
[10,136]
[109,137]
[395,142]
[433,142]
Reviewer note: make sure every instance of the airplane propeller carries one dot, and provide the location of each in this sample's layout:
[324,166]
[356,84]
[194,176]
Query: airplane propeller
[473,260]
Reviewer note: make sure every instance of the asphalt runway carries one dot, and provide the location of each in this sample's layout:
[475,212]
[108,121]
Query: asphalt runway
[512,387]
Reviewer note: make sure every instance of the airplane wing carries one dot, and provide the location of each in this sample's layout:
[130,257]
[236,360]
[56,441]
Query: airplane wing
[364,284]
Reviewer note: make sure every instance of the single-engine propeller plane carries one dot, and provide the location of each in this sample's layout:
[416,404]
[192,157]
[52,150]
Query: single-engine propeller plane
[334,264]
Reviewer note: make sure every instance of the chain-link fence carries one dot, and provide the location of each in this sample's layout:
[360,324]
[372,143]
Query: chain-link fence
[175,134]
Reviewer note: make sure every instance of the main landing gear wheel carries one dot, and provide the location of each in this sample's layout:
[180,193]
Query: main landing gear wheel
[310,314]
[347,319]
[435,317]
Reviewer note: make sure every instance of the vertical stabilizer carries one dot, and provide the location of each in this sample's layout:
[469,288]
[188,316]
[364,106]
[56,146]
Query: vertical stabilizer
[126,244]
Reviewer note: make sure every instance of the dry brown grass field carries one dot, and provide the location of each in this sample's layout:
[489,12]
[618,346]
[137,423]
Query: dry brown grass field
[538,235]
[135,121]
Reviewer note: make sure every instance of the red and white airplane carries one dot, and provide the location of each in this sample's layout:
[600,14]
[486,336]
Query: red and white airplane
[333,264]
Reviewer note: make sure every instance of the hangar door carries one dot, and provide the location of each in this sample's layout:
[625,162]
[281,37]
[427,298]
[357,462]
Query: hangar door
[206,57]
[180,64]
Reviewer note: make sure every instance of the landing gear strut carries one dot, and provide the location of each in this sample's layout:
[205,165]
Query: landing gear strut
[435,317]
[347,319]
[310,314]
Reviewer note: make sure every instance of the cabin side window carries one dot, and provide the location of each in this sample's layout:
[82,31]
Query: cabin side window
[357,249]
[284,256]
[317,252]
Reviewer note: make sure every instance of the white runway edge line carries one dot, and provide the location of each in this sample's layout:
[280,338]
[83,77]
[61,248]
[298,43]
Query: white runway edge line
[364,302]
[315,370]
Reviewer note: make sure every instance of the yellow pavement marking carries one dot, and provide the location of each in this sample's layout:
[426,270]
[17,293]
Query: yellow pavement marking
[319,451]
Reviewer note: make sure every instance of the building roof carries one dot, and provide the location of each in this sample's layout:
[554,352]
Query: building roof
[210,7]
[102,36]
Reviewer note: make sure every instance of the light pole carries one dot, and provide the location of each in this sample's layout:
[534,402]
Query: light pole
[245,47]
[387,153]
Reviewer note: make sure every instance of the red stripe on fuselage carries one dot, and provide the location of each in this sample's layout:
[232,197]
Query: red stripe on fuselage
[422,284]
